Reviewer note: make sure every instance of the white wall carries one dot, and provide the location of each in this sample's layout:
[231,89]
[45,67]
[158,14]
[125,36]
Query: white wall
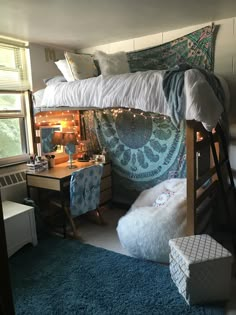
[42,64]
[225,50]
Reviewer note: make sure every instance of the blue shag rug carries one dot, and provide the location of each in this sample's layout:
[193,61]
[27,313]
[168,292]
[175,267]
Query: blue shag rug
[62,277]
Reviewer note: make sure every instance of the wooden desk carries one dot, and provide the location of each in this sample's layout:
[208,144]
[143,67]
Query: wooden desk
[58,179]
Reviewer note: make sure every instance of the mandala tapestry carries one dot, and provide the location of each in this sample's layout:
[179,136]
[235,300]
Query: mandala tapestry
[146,148]
[196,49]
[92,143]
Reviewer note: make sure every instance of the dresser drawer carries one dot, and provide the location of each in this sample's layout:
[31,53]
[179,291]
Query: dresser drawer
[105,196]
[106,183]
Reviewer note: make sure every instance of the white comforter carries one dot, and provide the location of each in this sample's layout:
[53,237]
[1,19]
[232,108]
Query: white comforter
[140,90]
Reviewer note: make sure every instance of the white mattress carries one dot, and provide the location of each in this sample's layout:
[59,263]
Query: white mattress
[139,90]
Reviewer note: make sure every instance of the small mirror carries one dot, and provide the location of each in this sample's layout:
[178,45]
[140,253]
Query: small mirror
[46,134]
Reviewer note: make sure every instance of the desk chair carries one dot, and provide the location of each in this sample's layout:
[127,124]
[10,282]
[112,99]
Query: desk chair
[84,193]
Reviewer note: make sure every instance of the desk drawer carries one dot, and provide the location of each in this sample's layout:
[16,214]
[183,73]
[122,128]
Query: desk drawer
[43,182]
[106,170]
[105,196]
[106,183]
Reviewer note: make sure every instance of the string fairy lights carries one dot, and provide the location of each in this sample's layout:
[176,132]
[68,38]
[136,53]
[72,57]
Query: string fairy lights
[69,120]
[135,112]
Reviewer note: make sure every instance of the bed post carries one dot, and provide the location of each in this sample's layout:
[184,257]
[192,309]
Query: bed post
[191,176]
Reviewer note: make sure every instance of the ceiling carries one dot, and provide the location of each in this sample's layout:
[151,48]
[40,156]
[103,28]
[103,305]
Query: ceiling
[84,23]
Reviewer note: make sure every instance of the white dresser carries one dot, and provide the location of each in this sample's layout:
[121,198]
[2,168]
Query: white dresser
[19,224]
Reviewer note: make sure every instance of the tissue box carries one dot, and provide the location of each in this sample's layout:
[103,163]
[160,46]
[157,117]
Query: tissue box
[201,268]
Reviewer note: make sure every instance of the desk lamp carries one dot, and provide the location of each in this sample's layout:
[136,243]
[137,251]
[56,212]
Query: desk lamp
[68,140]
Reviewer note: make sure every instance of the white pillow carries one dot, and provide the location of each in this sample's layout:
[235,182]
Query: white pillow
[65,69]
[81,66]
[112,63]
[53,80]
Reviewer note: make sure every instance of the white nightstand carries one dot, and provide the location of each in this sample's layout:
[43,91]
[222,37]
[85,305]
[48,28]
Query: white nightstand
[20,227]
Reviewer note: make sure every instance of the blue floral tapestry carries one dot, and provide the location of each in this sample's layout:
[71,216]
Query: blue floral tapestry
[196,48]
[146,148]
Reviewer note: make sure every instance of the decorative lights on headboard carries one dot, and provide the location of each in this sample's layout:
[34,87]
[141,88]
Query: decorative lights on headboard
[68,120]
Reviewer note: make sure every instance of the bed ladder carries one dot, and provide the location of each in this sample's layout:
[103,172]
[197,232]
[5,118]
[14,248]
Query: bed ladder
[215,175]
[222,163]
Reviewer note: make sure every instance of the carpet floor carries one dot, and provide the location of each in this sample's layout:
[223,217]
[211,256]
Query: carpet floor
[62,276]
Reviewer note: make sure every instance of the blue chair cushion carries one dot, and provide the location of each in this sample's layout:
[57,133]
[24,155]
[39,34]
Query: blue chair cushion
[85,189]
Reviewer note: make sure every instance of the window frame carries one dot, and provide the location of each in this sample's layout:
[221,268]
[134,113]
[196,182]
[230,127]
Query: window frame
[25,128]
[22,87]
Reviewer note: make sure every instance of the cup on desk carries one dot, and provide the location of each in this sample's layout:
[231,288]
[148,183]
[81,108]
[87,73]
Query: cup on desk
[51,163]
[99,158]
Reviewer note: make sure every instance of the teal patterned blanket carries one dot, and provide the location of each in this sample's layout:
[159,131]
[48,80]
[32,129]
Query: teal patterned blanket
[173,84]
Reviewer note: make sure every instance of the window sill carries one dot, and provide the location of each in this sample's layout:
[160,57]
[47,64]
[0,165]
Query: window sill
[8,162]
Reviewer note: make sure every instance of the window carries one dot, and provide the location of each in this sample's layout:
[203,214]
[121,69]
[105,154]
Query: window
[15,126]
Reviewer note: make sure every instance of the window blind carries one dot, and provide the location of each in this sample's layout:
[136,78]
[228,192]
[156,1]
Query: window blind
[13,67]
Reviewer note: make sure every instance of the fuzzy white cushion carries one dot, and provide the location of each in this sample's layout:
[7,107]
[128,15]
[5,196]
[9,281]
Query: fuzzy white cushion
[157,215]
[81,66]
[111,64]
[62,65]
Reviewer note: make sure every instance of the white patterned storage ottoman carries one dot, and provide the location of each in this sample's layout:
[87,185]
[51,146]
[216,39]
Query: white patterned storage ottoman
[201,268]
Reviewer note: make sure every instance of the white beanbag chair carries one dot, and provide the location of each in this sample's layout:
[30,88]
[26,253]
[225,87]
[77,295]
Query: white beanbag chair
[157,215]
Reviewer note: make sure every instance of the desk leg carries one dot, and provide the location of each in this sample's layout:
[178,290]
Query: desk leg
[67,216]
[28,191]
[64,212]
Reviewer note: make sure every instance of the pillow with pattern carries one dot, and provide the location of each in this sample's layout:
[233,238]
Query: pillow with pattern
[82,66]
[111,64]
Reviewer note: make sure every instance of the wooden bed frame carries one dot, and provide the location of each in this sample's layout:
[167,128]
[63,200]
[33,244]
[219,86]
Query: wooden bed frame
[192,182]
[218,174]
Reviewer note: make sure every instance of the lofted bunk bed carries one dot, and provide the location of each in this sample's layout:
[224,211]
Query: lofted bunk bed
[202,109]
[186,98]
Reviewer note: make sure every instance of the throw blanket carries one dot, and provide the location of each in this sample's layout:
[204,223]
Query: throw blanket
[173,86]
